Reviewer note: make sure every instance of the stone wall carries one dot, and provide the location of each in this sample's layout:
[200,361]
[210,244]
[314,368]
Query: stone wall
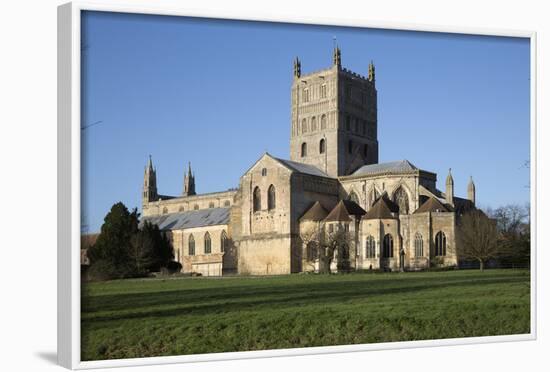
[212,263]
[222,199]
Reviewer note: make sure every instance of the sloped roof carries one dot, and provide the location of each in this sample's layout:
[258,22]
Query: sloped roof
[382,208]
[302,168]
[190,219]
[432,205]
[338,213]
[354,208]
[316,213]
[463,205]
[401,166]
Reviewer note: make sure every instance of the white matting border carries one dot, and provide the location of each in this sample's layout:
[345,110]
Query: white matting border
[69,182]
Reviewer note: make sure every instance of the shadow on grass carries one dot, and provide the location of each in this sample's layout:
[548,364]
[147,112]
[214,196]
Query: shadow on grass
[206,301]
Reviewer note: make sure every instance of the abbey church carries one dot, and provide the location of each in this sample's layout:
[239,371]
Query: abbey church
[393,216]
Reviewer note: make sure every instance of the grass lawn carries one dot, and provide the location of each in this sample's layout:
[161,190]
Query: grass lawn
[159,317]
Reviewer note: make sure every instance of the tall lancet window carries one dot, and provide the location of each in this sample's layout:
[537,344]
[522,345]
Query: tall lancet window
[207,243]
[440,244]
[257,199]
[191,245]
[271,198]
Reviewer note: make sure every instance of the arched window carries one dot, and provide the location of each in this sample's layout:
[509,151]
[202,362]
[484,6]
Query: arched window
[348,122]
[211,205]
[304,126]
[196,207]
[223,241]
[365,150]
[322,146]
[304,150]
[264,172]
[271,197]
[370,247]
[353,197]
[373,196]
[440,244]
[350,146]
[257,202]
[401,198]
[418,245]
[313,124]
[207,243]
[164,210]
[387,246]
[191,244]
[323,122]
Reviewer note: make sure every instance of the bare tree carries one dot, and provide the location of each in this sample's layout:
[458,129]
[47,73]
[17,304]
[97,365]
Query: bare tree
[325,246]
[339,242]
[513,224]
[478,238]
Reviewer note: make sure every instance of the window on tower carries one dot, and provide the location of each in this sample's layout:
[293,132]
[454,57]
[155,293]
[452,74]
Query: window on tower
[324,91]
[350,146]
[313,124]
[304,126]
[322,146]
[304,150]
[305,95]
[323,122]
[348,122]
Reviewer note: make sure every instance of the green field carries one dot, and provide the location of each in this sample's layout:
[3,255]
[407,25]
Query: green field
[154,317]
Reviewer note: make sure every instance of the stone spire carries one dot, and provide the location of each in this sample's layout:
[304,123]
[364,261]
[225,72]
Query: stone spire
[337,57]
[449,189]
[149,183]
[372,77]
[472,191]
[297,68]
[189,183]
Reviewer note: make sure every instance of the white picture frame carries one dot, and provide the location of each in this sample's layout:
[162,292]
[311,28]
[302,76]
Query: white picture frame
[69,185]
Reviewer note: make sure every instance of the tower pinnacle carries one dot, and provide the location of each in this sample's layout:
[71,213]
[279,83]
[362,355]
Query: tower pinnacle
[472,191]
[449,192]
[337,57]
[189,182]
[297,68]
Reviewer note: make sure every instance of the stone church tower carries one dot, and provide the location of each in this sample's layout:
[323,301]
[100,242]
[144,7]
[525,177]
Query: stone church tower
[149,183]
[334,118]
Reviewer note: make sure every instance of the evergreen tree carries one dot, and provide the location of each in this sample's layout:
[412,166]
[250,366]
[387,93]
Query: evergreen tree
[112,249]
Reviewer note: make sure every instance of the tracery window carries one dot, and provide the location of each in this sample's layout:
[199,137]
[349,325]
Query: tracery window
[387,246]
[370,247]
[223,241]
[440,244]
[418,245]
[353,197]
[401,198]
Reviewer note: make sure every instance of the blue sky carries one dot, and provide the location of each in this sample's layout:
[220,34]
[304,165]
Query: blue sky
[217,93]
